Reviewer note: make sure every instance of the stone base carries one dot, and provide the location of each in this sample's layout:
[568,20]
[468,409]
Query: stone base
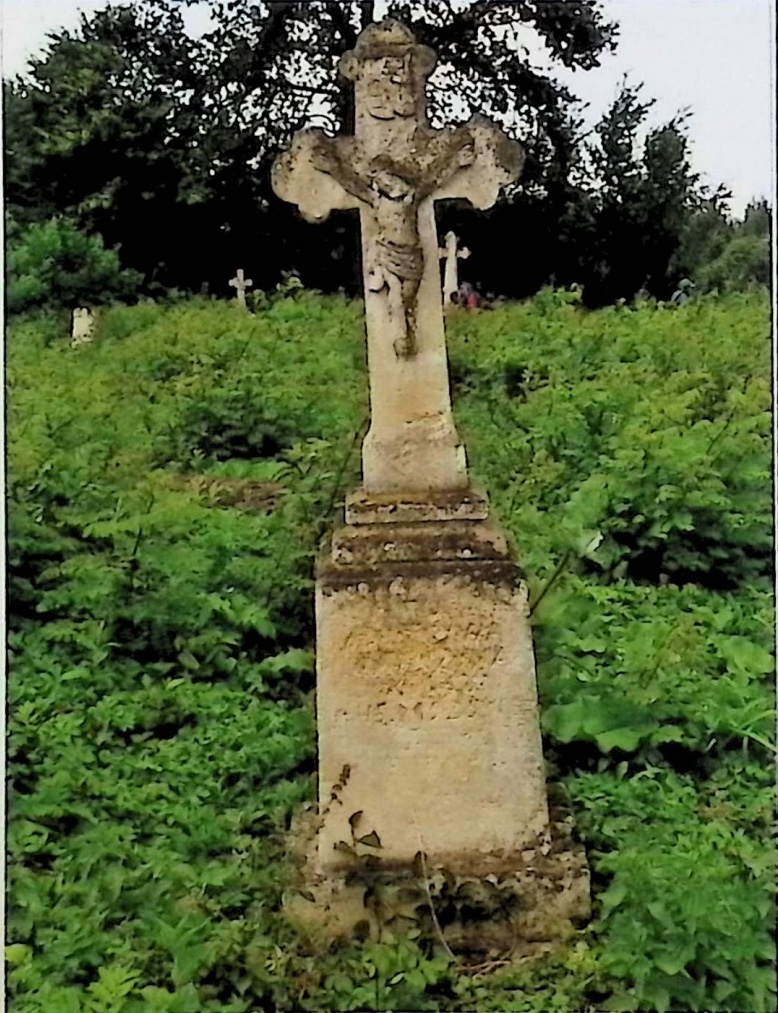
[528,903]
[429,733]
[419,508]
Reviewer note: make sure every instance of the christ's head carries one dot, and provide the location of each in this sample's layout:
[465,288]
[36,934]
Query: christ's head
[389,70]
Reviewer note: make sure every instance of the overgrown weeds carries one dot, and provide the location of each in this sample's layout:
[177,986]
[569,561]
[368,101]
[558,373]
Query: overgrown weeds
[161,639]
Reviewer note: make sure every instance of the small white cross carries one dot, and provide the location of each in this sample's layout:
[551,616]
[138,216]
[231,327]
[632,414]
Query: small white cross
[241,284]
[452,257]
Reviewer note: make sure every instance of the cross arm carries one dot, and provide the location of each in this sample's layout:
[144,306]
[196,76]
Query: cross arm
[456,153]
[312,176]
[490,161]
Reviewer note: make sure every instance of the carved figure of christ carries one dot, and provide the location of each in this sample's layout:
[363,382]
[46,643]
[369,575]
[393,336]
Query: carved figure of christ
[393,171]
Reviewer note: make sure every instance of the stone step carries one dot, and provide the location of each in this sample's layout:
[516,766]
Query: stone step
[430,541]
[464,505]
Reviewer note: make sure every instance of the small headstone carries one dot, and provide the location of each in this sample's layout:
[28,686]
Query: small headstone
[452,256]
[82,329]
[241,283]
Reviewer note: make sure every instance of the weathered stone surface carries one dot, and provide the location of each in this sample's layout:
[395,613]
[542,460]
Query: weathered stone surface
[414,508]
[82,327]
[426,685]
[429,734]
[435,541]
[512,908]
[393,170]
[426,693]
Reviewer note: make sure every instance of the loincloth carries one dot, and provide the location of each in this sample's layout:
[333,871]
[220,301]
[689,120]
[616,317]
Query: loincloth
[404,262]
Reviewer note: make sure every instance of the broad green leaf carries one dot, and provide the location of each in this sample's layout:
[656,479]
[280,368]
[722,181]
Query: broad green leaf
[626,739]
[670,962]
[17,953]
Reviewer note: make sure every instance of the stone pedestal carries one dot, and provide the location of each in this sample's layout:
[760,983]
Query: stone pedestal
[429,736]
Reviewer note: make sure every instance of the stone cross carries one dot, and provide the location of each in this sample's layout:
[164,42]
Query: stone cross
[393,170]
[82,327]
[452,256]
[426,699]
[241,284]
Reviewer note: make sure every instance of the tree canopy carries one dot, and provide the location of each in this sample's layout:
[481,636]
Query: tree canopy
[161,143]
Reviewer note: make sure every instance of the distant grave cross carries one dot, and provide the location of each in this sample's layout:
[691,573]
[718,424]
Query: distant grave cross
[82,326]
[241,284]
[393,170]
[452,256]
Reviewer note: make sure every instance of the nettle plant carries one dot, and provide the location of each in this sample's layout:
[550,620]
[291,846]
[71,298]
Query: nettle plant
[627,427]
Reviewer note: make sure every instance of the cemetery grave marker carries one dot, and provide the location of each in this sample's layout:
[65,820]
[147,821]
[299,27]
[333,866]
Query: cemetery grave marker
[82,328]
[452,256]
[241,284]
[428,724]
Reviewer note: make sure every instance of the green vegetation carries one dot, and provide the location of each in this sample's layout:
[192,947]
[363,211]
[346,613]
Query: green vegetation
[130,127]
[168,486]
[135,128]
[53,264]
[724,256]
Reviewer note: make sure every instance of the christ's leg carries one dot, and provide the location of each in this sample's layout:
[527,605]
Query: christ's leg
[408,346]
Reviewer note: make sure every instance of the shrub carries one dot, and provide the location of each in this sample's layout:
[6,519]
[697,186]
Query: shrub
[645,430]
[744,262]
[53,264]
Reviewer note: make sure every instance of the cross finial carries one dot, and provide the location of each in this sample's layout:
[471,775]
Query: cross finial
[389,69]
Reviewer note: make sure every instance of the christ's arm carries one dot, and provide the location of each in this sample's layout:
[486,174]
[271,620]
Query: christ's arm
[326,158]
[458,154]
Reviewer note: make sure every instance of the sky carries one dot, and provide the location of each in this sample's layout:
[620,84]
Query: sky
[714,57]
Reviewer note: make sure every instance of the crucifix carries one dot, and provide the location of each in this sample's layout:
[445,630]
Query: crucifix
[426,700]
[452,255]
[393,170]
[241,283]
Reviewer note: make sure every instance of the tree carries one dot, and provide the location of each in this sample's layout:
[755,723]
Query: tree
[639,204]
[719,254]
[744,263]
[53,264]
[706,234]
[163,143]
[758,219]
[100,131]
[276,62]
